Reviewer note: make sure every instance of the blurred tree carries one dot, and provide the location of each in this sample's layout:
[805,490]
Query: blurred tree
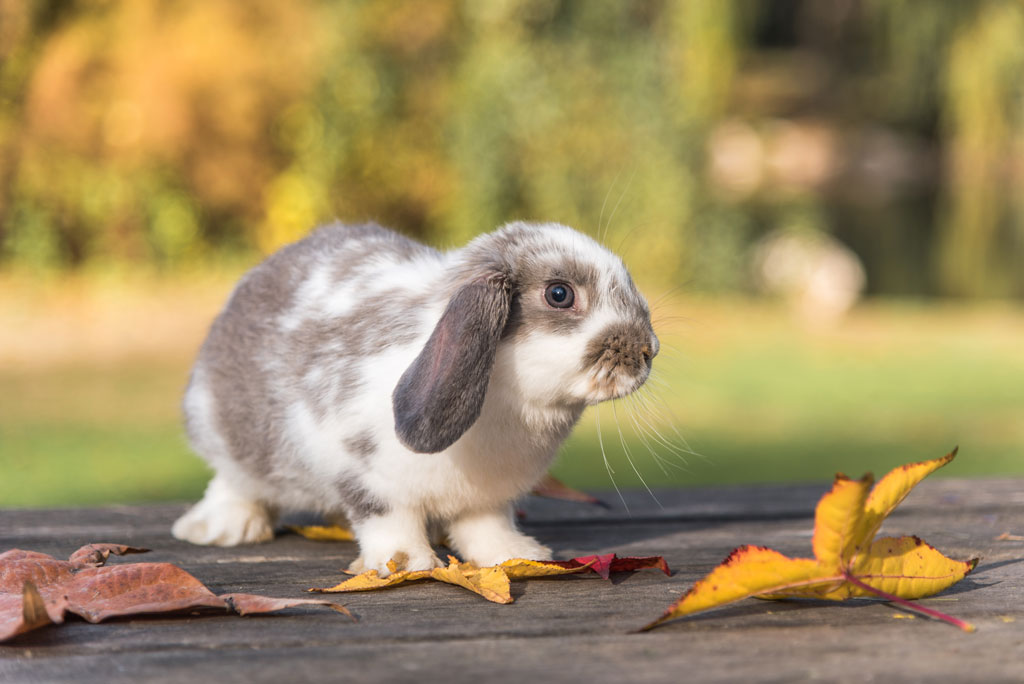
[166,131]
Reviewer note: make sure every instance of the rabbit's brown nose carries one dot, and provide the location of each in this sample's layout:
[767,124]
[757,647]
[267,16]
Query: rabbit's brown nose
[649,351]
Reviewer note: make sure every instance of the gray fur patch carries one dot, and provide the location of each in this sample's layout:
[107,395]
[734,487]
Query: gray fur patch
[336,385]
[531,263]
[358,502]
[362,445]
[373,326]
[529,310]
[236,354]
[254,368]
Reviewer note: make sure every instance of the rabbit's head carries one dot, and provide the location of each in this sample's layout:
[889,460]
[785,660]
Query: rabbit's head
[558,311]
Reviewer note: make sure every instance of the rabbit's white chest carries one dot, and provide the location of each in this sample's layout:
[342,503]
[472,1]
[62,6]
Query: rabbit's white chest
[499,459]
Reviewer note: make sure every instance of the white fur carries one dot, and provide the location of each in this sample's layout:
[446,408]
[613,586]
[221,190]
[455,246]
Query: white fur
[532,402]
[224,518]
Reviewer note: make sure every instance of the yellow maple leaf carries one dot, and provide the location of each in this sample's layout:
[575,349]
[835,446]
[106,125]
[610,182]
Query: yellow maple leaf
[493,583]
[521,568]
[848,561]
[370,580]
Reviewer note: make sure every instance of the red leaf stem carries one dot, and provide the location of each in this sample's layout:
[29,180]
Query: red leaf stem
[910,605]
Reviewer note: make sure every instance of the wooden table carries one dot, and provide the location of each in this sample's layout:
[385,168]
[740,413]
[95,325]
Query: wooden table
[573,629]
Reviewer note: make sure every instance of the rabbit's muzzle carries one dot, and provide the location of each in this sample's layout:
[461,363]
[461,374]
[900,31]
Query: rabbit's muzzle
[618,360]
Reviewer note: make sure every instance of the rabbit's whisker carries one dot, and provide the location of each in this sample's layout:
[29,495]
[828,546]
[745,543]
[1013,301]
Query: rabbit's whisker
[629,457]
[647,399]
[643,440]
[601,230]
[657,436]
[604,456]
[645,437]
[625,191]
[652,397]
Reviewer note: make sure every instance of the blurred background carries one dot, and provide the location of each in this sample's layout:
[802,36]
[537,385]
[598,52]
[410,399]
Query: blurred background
[821,199]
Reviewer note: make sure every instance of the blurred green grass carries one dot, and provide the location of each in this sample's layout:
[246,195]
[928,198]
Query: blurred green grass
[759,398]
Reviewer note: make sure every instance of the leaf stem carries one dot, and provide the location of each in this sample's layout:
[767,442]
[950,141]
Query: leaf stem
[910,605]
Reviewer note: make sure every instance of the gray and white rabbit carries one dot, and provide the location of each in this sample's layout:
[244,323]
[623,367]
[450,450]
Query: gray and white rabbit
[370,378]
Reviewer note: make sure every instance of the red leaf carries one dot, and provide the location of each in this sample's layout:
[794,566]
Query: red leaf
[97,554]
[640,563]
[602,564]
[608,563]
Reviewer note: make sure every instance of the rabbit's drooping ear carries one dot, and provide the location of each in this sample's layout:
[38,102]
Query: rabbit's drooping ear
[440,395]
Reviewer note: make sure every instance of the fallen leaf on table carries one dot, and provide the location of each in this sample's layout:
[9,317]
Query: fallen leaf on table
[520,568]
[552,488]
[371,579]
[36,589]
[323,532]
[608,563]
[848,561]
[493,582]
[23,613]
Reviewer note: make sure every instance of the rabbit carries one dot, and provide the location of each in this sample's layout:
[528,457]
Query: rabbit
[377,381]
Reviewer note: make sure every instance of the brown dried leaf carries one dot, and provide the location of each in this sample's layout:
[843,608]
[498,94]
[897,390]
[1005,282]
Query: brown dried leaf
[97,554]
[33,584]
[19,614]
[250,604]
[551,487]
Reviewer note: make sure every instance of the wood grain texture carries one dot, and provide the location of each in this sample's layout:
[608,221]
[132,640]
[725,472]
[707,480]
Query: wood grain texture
[569,628]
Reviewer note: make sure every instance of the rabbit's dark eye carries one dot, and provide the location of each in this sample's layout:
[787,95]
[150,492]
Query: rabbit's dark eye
[559,295]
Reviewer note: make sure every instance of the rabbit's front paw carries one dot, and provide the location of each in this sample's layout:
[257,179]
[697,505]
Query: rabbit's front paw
[403,560]
[491,538]
[399,536]
[487,552]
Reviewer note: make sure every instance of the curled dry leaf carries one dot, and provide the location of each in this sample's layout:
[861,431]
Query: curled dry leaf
[36,589]
[848,561]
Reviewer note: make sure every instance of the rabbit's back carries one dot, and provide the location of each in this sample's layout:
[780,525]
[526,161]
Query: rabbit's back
[295,347]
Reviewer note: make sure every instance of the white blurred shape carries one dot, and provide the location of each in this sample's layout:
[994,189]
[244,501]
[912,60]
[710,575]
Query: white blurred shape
[815,274]
[736,157]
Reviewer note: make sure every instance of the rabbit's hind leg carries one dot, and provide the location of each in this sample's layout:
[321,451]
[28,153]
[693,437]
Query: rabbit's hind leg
[225,518]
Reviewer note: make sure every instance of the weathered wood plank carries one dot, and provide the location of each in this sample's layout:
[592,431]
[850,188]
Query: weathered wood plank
[569,628]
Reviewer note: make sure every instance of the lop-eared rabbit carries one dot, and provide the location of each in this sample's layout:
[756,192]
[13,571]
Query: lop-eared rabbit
[377,381]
